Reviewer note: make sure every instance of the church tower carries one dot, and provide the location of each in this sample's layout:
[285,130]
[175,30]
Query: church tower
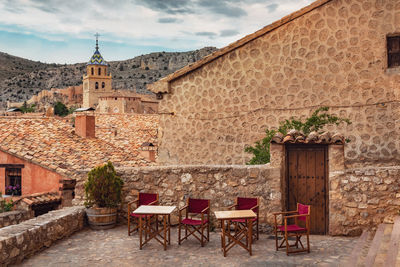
[97,81]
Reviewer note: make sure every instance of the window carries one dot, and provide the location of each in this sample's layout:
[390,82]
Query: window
[92,71]
[103,84]
[99,71]
[393,49]
[96,85]
[13,181]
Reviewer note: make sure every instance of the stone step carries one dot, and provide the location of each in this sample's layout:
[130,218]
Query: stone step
[358,250]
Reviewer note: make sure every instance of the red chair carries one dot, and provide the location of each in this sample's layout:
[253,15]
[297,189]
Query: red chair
[303,214]
[193,225]
[142,199]
[246,203]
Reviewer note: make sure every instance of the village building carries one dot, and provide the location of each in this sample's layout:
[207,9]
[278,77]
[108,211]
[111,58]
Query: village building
[342,54]
[38,155]
[95,92]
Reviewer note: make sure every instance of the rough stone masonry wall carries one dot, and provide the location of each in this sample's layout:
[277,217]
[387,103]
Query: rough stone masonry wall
[220,184]
[15,217]
[25,239]
[333,56]
[363,198]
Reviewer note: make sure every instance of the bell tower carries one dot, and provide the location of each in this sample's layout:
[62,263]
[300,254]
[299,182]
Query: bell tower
[97,81]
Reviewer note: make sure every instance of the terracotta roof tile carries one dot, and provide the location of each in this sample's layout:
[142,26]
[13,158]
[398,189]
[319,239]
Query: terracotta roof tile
[296,137]
[51,143]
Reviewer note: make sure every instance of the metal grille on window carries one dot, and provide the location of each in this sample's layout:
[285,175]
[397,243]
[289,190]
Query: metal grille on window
[393,49]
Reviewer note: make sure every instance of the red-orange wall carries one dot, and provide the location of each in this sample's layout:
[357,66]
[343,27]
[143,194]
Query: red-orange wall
[35,179]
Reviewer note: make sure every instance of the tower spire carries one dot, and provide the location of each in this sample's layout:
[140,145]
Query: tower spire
[97,40]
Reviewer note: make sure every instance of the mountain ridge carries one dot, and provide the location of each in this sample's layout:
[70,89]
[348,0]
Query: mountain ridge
[22,78]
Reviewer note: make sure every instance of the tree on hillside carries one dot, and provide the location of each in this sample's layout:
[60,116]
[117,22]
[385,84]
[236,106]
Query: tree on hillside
[60,109]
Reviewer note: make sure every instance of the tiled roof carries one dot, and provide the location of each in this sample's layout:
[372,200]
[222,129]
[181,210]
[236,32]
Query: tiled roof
[160,86]
[296,137]
[97,59]
[53,144]
[128,131]
[127,93]
[41,198]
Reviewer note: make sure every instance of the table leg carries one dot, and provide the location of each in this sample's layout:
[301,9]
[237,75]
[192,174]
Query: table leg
[165,231]
[250,229]
[140,232]
[223,237]
[169,229]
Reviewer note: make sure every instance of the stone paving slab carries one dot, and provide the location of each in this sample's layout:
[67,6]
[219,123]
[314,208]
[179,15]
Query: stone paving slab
[114,247]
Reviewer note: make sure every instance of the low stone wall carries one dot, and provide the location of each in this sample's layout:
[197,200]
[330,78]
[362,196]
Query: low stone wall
[363,198]
[220,184]
[23,240]
[14,217]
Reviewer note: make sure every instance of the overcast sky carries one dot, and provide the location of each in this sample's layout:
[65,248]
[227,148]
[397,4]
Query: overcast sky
[62,31]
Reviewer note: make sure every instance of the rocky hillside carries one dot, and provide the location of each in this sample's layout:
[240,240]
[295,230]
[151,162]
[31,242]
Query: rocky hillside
[21,78]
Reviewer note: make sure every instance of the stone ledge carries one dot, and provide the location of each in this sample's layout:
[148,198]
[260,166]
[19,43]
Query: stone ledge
[14,217]
[25,239]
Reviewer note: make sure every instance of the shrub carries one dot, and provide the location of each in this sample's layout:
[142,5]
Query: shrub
[60,109]
[5,205]
[103,187]
[318,119]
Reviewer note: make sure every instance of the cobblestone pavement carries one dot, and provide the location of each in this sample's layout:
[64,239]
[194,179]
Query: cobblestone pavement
[114,247]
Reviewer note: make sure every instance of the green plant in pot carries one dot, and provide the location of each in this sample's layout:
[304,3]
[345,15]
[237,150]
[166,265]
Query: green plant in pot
[103,195]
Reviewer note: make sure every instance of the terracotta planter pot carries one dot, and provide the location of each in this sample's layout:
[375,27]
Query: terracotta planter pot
[101,218]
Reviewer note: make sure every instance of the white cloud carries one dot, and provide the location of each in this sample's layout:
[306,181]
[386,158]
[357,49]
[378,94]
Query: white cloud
[173,24]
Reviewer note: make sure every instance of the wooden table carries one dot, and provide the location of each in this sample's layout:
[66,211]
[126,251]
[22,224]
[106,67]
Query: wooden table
[154,232]
[245,232]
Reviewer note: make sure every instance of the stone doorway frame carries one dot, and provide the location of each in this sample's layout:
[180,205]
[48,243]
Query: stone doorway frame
[336,167]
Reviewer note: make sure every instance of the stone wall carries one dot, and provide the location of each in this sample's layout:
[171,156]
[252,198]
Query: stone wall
[333,55]
[25,239]
[14,217]
[220,184]
[362,198]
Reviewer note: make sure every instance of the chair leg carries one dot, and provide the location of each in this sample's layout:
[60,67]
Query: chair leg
[276,239]
[208,231]
[179,234]
[308,243]
[129,224]
[257,228]
[287,244]
[202,235]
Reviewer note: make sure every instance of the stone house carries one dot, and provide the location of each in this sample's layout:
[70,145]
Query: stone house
[127,102]
[44,154]
[343,54]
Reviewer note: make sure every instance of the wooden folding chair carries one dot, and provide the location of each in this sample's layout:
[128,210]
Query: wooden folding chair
[287,230]
[246,203]
[142,199]
[192,225]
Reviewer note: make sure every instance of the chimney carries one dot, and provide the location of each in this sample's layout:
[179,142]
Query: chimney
[148,151]
[85,125]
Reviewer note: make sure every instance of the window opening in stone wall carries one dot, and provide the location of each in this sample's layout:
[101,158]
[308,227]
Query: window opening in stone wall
[99,71]
[92,71]
[96,85]
[393,50]
[13,181]
[103,84]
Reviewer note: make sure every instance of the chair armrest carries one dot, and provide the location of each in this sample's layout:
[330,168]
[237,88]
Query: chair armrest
[154,202]
[295,216]
[133,201]
[203,211]
[283,212]
[231,206]
[252,208]
[184,207]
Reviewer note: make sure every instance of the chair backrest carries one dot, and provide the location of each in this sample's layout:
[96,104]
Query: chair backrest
[246,203]
[197,205]
[147,198]
[303,209]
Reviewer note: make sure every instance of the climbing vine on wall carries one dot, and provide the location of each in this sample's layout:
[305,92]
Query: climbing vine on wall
[318,119]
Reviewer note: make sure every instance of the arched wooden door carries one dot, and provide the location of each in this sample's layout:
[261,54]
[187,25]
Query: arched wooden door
[307,182]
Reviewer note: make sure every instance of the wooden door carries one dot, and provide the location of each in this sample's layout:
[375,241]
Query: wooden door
[307,183]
